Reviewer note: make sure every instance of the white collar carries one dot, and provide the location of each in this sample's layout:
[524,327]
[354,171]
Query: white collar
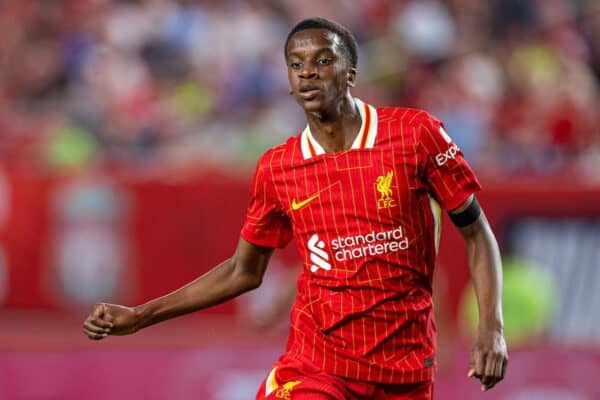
[364,140]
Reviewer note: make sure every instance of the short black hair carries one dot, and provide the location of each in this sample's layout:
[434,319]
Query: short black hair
[348,41]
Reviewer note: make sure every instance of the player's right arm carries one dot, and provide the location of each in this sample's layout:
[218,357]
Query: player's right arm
[240,273]
[266,227]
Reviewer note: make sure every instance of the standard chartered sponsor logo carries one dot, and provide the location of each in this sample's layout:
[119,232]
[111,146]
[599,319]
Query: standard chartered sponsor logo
[318,256]
[356,246]
[371,244]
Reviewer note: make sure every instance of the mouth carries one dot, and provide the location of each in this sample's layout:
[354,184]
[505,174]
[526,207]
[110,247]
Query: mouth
[308,92]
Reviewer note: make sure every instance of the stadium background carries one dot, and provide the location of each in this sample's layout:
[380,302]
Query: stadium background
[129,131]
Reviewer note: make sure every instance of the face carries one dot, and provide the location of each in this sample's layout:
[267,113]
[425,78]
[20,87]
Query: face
[318,73]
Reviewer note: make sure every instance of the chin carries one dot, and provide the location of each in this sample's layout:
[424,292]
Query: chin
[312,106]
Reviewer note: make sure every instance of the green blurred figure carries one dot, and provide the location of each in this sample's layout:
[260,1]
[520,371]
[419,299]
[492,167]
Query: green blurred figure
[529,302]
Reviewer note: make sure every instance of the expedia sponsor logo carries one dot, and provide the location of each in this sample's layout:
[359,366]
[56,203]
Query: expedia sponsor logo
[450,154]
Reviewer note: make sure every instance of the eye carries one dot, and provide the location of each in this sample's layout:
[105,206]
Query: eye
[324,61]
[295,65]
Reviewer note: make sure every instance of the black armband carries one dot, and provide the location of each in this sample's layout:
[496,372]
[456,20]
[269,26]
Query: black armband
[468,215]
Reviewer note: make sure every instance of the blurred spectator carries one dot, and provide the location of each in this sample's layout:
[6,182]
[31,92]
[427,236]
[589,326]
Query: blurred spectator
[136,82]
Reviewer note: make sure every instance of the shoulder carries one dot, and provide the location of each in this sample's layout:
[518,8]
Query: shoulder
[413,117]
[405,127]
[281,154]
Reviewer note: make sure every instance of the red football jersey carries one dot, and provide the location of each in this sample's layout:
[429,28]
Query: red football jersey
[366,223]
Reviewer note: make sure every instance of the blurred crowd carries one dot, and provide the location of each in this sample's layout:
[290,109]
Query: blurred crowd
[172,86]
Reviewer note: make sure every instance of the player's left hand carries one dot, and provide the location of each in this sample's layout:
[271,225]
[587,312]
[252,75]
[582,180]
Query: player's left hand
[489,358]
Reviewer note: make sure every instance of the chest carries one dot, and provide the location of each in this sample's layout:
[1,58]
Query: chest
[370,183]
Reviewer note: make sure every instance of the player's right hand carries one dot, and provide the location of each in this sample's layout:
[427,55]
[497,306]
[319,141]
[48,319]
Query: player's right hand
[110,319]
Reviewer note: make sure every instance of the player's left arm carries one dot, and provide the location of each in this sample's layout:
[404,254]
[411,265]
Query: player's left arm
[489,357]
[450,181]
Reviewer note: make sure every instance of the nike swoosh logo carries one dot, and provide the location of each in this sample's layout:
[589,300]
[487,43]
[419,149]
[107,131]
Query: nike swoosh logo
[297,206]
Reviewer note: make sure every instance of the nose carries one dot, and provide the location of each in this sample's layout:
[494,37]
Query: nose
[308,71]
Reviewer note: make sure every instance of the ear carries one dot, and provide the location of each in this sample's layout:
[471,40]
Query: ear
[351,77]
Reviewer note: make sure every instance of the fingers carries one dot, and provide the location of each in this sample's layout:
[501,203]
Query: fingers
[476,364]
[93,332]
[99,310]
[504,366]
[499,370]
[471,371]
[488,367]
[488,372]
[489,358]
[494,370]
[91,327]
[100,316]
[97,326]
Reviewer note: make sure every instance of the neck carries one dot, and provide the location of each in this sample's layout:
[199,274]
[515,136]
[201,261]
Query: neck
[336,129]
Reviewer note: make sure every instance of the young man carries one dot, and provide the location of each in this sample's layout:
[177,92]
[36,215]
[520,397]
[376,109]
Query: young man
[359,190]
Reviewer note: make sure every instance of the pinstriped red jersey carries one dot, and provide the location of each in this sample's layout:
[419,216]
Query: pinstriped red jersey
[366,222]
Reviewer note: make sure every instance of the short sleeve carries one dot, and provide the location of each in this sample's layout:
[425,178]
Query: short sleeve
[265,224]
[447,174]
